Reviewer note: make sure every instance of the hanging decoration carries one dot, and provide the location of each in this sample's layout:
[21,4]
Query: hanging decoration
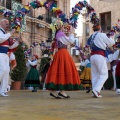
[49,5]
[34,44]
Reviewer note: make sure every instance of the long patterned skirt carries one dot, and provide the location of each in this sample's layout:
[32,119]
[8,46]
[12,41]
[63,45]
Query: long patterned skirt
[32,78]
[117,74]
[62,74]
[86,77]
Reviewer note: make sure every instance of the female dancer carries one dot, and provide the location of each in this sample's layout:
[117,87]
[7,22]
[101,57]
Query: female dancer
[32,78]
[62,74]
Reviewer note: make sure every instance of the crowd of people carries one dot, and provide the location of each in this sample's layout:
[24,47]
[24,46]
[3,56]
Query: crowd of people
[60,73]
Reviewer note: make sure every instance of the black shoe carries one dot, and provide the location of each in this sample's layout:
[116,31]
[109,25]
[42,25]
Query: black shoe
[34,90]
[60,94]
[88,90]
[57,97]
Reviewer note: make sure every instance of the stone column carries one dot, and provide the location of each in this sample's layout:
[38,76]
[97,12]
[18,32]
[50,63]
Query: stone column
[84,28]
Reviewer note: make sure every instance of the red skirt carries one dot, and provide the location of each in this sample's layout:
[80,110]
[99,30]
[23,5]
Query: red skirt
[62,74]
[117,75]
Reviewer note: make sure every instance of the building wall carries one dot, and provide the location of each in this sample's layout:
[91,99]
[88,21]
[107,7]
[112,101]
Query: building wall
[64,5]
[102,6]
[34,33]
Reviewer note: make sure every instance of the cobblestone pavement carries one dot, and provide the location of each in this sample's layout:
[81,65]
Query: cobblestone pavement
[26,105]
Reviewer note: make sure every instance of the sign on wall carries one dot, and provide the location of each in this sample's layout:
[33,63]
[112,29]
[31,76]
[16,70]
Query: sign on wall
[16,7]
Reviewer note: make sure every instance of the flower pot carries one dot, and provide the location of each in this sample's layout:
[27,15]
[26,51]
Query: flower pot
[16,85]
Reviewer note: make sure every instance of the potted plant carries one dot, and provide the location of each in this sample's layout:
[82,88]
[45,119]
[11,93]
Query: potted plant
[18,74]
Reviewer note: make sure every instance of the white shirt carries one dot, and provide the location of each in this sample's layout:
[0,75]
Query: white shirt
[4,37]
[86,62]
[114,56]
[12,56]
[30,63]
[102,41]
[82,63]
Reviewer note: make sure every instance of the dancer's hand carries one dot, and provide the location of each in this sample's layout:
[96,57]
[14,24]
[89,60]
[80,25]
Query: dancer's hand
[26,59]
[12,31]
[72,45]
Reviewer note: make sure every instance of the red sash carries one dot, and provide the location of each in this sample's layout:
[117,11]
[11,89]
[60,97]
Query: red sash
[98,52]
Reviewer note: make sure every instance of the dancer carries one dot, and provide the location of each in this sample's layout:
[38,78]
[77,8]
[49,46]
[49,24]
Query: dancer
[5,44]
[62,73]
[115,59]
[98,43]
[44,72]
[13,64]
[108,83]
[117,76]
[32,79]
[86,74]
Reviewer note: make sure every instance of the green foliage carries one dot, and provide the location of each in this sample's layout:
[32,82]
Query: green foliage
[43,62]
[19,72]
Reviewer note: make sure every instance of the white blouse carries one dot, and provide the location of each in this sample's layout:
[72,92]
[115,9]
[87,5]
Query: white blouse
[67,40]
[30,63]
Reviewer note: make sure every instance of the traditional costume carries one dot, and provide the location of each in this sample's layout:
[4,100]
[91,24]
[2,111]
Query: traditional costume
[32,79]
[85,76]
[116,57]
[44,72]
[62,74]
[5,45]
[12,66]
[98,43]
[117,76]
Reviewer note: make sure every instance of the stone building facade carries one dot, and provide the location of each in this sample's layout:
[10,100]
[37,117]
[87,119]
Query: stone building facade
[36,29]
[108,11]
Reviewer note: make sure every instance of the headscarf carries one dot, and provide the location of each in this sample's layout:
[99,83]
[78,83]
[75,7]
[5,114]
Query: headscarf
[58,24]
[36,57]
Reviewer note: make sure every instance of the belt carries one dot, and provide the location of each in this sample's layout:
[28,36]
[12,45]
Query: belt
[98,52]
[3,49]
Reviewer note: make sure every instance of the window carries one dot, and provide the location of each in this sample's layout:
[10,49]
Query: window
[105,19]
[9,2]
[20,1]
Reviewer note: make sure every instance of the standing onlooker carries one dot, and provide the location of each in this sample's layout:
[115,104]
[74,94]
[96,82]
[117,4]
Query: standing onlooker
[98,43]
[32,79]
[5,44]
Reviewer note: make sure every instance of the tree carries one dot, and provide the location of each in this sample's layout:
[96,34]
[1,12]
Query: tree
[43,62]
[19,72]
